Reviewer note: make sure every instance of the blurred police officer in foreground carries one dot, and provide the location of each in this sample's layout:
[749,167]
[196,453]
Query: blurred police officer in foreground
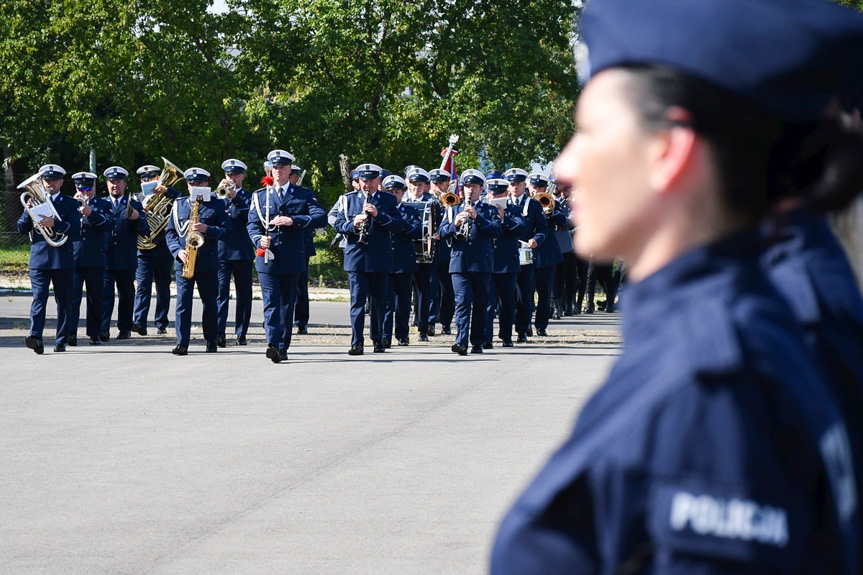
[535,235]
[120,264]
[280,215]
[501,294]
[211,224]
[714,446]
[97,222]
[471,227]
[155,263]
[236,255]
[51,264]
[365,218]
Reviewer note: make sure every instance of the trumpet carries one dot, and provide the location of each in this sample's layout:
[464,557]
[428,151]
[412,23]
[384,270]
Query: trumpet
[545,200]
[225,189]
[464,229]
[34,196]
[158,206]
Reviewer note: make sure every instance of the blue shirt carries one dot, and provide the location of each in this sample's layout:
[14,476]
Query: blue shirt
[713,447]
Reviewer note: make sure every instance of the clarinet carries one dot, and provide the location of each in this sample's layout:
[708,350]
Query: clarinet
[363,228]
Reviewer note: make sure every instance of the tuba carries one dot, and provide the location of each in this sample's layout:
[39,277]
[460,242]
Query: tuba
[545,200]
[158,206]
[36,196]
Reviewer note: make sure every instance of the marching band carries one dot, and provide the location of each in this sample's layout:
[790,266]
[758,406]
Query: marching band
[440,249]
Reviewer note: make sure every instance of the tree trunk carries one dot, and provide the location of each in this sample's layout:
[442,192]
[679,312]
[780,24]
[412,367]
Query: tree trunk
[848,227]
[345,167]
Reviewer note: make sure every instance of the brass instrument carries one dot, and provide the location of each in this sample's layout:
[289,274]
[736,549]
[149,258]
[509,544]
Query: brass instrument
[364,225]
[224,189]
[194,240]
[158,206]
[36,195]
[449,199]
[464,229]
[545,200]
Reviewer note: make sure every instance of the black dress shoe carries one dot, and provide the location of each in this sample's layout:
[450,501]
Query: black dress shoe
[541,332]
[378,347]
[35,343]
[445,330]
[404,341]
[424,337]
[161,330]
[488,344]
[95,341]
[124,335]
[609,308]
[430,332]
[589,308]
[507,343]
[139,329]
[529,331]
[60,347]
[459,349]
[476,349]
[521,338]
[72,340]
[181,350]
[576,310]
[212,347]
[273,353]
[355,350]
[388,343]
[302,330]
[241,341]
[104,336]
[283,355]
[221,341]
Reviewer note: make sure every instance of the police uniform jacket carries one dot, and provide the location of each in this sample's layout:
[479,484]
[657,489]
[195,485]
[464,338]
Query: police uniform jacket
[90,250]
[537,226]
[506,246]
[548,252]
[43,256]
[404,252]
[476,252]
[377,253]
[237,245]
[288,242]
[218,223]
[123,239]
[161,250]
[705,449]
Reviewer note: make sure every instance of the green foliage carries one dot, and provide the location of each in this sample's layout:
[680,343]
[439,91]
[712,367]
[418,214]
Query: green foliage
[385,81]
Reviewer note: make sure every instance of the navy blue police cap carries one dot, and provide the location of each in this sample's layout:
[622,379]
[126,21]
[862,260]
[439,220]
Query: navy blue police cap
[280,158]
[439,176]
[515,175]
[368,171]
[492,174]
[393,182]
[51,172]
[497,185]
[386,173]
[472,177]
[355,175]
[295,169]
[116,173]
[148,171]
[85,178]
[792,57]
[194,175]
[419,175]
[410,168]
[234,166]
[538,180]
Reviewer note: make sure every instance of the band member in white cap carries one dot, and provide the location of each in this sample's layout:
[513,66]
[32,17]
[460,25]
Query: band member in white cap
[50,264]
[236,255]
[196,225]
[280,214]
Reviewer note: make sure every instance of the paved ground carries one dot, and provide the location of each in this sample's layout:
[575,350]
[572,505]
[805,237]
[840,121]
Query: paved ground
[126,459]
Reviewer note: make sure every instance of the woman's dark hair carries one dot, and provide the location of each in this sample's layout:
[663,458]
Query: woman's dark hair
[762,158]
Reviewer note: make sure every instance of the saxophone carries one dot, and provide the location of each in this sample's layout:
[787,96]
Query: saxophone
[194,240]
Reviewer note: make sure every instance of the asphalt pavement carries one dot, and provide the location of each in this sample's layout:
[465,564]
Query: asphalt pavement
[123,458]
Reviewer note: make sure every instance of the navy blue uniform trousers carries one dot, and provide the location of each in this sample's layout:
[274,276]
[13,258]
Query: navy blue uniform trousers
[363,285]
[242,272]
[280,296]
[208,289]
[95,280]
[159,269]
[471,306]
[40,280]
[501,291]
[125,282]
[525,286]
